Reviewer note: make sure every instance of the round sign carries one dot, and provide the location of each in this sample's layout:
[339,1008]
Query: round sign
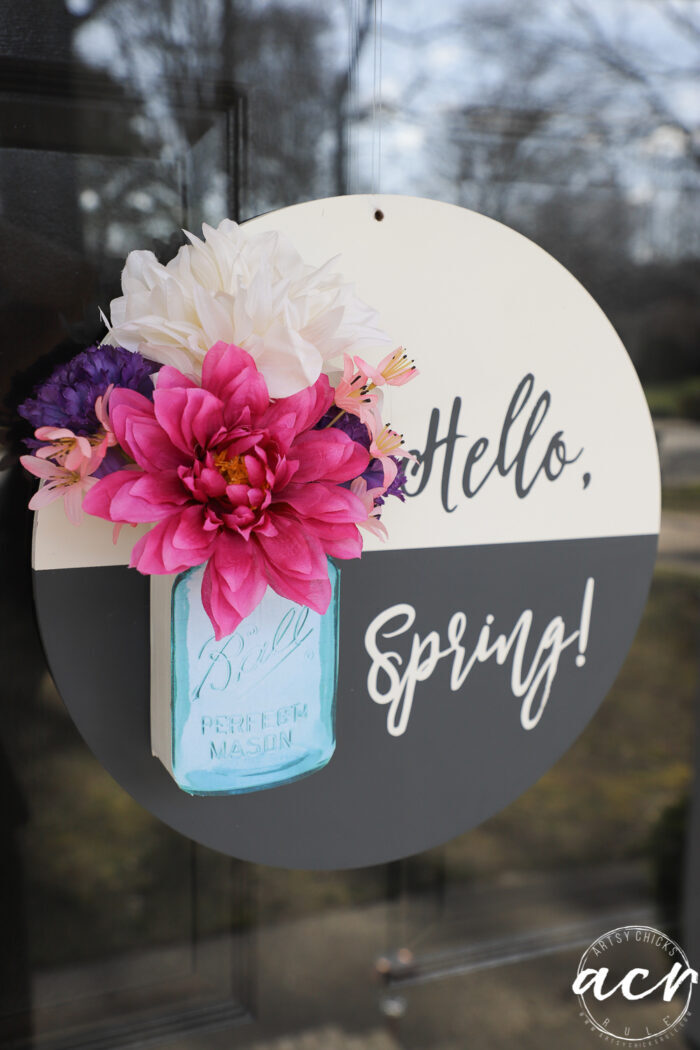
[477,642]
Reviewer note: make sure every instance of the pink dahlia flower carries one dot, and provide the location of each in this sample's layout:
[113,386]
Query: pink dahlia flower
[235,479]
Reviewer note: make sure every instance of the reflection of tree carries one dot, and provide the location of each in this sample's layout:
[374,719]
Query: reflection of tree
[563,102]
[647,70]
[162,52]
[282,60]
[279,59]
[572,125]
[340,96]
[165,41]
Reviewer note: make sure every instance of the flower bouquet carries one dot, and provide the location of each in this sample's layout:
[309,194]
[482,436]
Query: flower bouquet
[229,409]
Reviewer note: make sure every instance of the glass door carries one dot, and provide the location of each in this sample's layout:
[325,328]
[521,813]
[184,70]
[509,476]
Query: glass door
[122,123]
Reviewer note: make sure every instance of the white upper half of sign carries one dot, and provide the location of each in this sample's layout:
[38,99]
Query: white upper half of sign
[480,308]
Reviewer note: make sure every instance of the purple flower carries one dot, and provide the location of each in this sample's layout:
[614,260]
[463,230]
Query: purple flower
[350,425]
[67,397]
[374,474]
[397,486]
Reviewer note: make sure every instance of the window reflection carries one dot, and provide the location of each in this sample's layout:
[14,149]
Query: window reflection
[577,124]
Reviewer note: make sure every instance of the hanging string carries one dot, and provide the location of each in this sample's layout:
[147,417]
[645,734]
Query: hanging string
[376,154]
[354,92]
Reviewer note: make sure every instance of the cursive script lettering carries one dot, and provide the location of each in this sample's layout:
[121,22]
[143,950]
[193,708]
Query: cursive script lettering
[243,658]
[594,979]
[514,453]
[392,680]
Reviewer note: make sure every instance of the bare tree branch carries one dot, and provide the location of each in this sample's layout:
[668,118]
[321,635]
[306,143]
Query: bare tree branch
[341,92]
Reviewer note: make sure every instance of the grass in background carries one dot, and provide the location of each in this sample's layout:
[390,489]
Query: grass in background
[678,398]
[681,497]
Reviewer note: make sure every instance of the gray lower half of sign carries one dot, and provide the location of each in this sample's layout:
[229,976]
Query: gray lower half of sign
[464,726]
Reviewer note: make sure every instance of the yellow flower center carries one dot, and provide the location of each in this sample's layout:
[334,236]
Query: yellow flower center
[398,364]
[388,441]
[233,470]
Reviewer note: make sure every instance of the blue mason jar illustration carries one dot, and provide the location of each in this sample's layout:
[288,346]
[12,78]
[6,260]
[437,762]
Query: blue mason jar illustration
[257,708]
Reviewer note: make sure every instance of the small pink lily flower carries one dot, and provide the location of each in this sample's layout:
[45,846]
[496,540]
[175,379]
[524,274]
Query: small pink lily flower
[60,482]
[353,395]
[63,445]
[385,444]
[102,413]
[393,370]
[367,496]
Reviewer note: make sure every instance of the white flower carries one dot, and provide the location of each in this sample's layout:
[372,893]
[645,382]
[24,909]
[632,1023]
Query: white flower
[248,288]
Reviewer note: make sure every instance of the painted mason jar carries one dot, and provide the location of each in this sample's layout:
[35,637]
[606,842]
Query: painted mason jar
[257,708]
